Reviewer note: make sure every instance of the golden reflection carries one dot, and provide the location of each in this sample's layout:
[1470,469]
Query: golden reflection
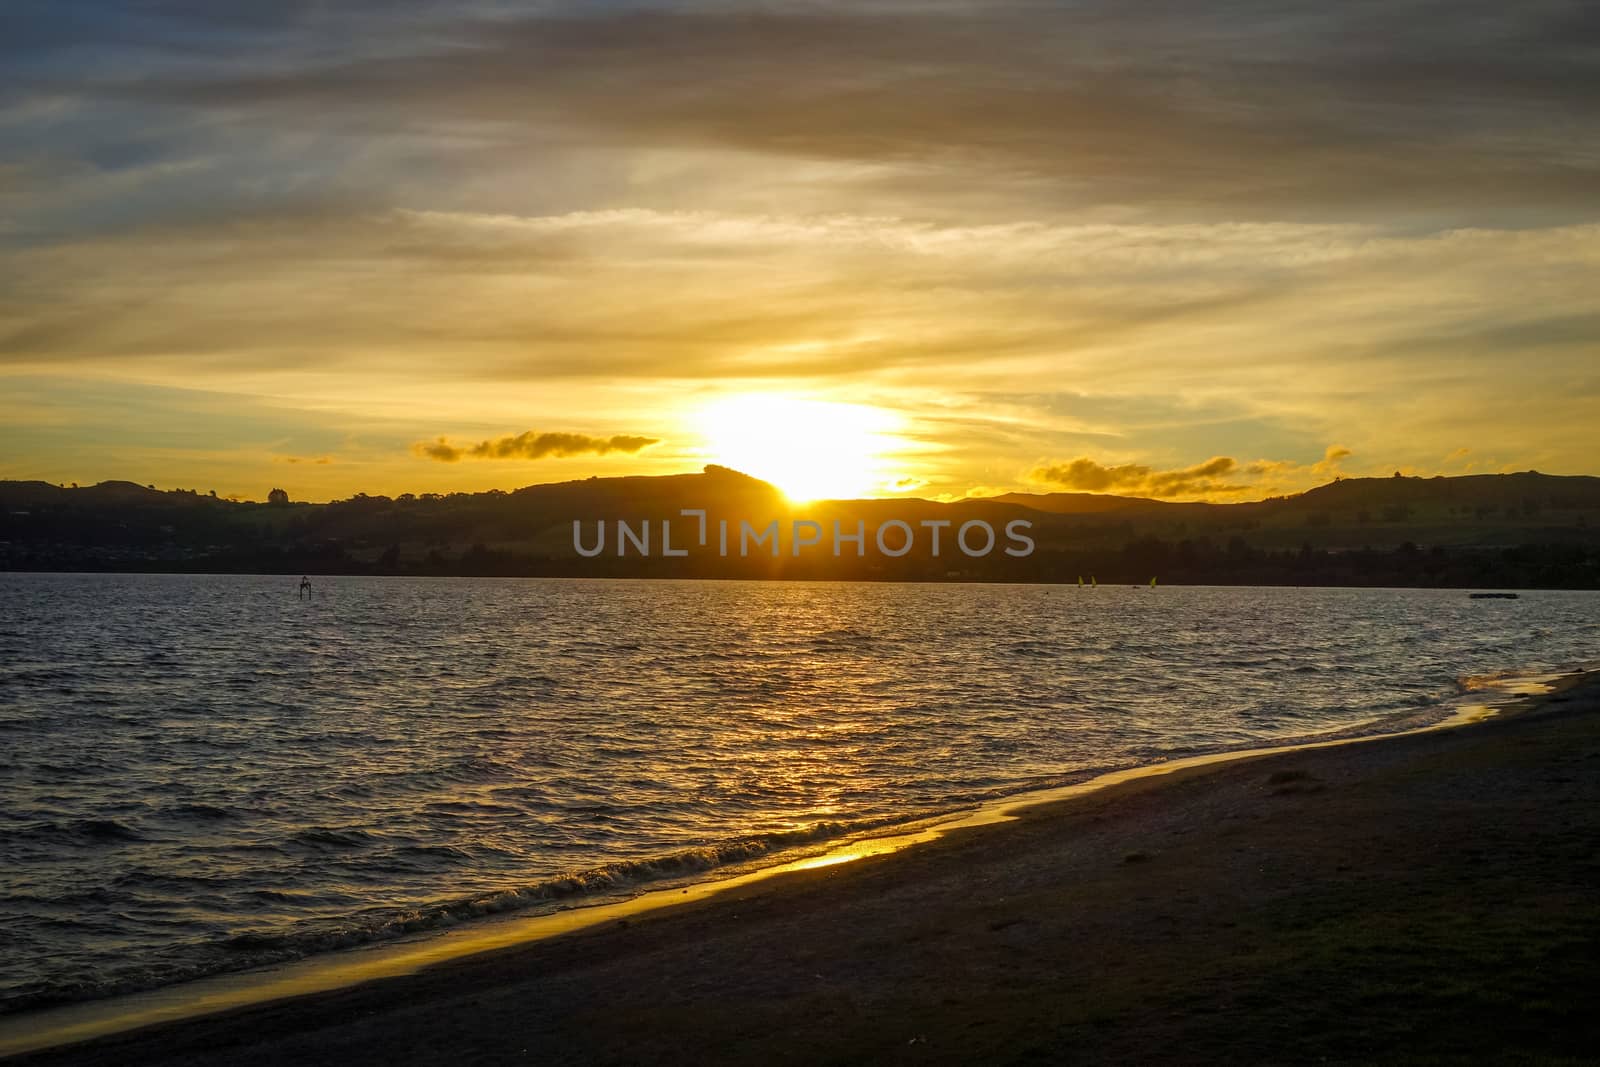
[79,1022]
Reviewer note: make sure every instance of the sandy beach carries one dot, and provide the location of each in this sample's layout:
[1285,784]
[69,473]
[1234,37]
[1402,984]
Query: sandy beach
[1426,899]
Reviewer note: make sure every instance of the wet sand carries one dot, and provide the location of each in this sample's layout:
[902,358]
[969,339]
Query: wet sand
[1426,899]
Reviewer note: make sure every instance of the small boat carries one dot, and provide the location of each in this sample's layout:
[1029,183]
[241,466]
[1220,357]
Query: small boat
[1495,596]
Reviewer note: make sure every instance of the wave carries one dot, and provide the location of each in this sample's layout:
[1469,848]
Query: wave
[79,831]
[1477,683]
[255,948]
[325,837]
[198,811]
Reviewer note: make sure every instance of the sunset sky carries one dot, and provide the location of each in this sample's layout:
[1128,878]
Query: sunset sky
[931,247]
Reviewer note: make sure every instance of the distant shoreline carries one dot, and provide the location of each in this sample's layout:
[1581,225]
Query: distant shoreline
[295,572]
[1510,531]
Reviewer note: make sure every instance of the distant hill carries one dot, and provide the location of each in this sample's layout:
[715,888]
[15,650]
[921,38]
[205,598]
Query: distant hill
[1088,503]
[1529,491]
[1512,529]
[1475,491]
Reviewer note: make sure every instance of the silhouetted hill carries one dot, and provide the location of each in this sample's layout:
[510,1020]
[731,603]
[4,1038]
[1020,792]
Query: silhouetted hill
[645,495]
[1088,503]
[1528,492]
[1515,529]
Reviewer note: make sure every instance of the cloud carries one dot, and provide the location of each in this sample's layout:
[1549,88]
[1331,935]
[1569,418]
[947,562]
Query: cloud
[1217,476]
[1220,475]
[1315,108]
[532,445]
[1087,476]
[1191,340]
[1325,467]
[1243,228]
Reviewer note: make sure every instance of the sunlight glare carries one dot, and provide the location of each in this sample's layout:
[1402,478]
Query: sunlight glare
[809,449]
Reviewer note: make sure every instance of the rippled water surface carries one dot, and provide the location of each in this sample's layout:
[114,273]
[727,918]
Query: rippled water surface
[201,773]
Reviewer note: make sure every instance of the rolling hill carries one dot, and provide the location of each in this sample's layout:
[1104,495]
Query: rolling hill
[1528,528]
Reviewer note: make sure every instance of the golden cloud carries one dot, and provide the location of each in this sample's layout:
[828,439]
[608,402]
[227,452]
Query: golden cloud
[1088,476]
[532,445]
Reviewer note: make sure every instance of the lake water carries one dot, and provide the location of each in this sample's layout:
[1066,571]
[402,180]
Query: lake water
[205,773]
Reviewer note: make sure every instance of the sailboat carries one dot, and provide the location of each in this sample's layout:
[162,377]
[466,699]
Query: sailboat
[1080,581]
[1093,582]
[1152,583]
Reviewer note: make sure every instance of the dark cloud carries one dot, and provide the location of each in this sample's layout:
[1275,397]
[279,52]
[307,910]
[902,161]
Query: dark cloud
[1087,476]
[532,445]
[1250,107]
[1215,477]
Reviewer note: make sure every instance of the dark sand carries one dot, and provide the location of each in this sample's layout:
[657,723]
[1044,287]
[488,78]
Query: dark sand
[1428,899]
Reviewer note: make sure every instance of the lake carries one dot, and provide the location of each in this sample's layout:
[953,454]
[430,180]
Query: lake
[204,773]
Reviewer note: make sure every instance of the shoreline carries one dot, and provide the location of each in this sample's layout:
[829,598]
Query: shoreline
[282,985]
[457,918]
[1063,582]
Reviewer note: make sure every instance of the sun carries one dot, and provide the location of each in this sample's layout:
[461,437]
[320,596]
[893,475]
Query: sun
[809,449]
